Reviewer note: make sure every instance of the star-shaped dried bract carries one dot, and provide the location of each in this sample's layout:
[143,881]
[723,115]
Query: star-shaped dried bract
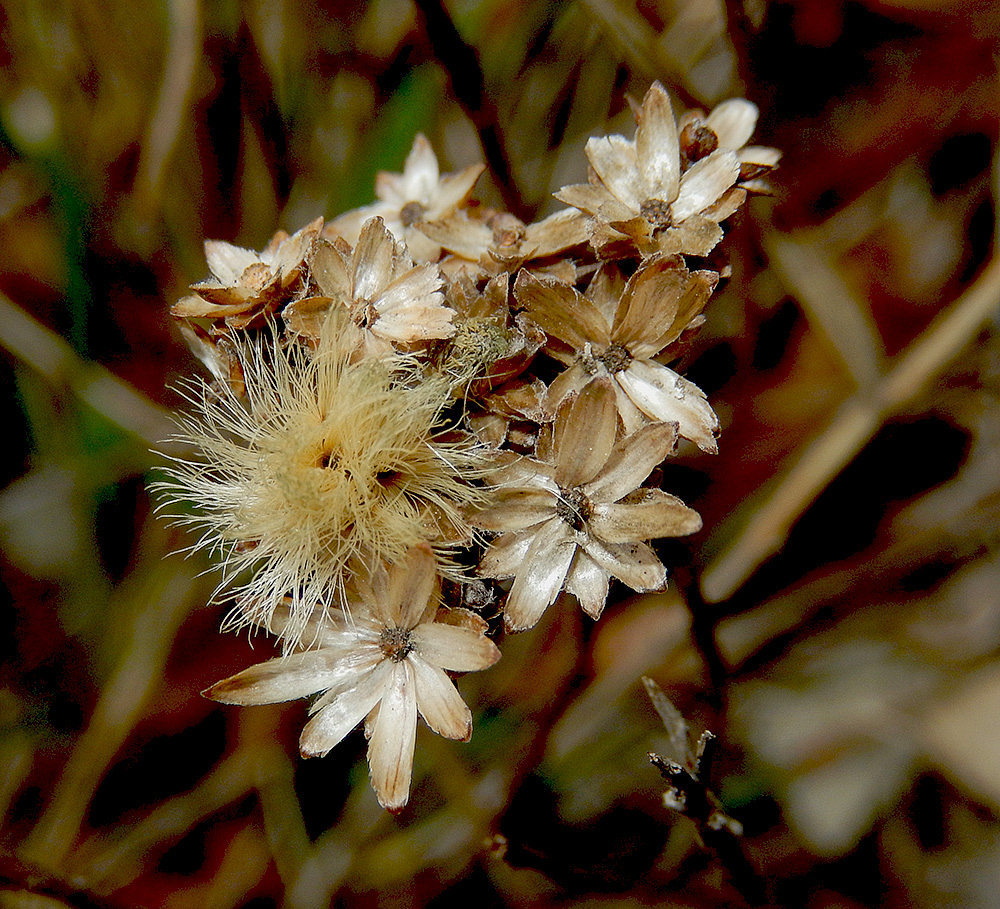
[638,196]
[617,331]
[576,516]
[247,287]
[405,201]
[384,664]
[393,303]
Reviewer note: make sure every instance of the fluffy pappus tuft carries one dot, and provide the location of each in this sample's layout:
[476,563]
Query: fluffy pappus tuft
[327,467]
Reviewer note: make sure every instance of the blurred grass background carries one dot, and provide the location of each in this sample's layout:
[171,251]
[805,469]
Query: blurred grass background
[837,623]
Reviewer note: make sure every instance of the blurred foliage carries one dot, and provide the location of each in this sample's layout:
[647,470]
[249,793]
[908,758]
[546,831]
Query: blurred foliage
[837,623]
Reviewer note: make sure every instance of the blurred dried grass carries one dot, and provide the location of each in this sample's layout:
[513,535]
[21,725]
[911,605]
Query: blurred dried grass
[838,623]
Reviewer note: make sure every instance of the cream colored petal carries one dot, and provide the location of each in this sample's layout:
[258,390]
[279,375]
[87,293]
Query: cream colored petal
[292,253]
[349,224]
[656,146]
[663,395]
[515,509]
[697,236]
[373,260]
[412,308]
[696,292]
[460,234]
[560,311]
[421,247]
[454,647]
[228,262]
[632,418]
[453,190]
[760,154]
[631,461]
[584,433]
[557,232]
[282,679]
[634,564]
[505,555]
[733,121]
[541,576]
[411,585]
[704,182]
[614,160]
[569,381]
[331,271]
[439,702]
[584,196]
[420,171]
[195,307]
[648,515]
[329,726]
[588,582]
[650,301]
[727,204]
[394,734]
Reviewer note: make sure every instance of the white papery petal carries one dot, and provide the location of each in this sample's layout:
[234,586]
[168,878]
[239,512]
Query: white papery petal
[733,121]
[760,154]
[634,564]
[329,726]
[541,577]
[373,260]
[663,395]
[420,172]
[283,679]
[454,647]
[439,702]
[588,582]
[394,733]
[656,514]
[504,556]
[515,509]
[704,182]
[656,146]
[631,461]
[614,161]
[228,262]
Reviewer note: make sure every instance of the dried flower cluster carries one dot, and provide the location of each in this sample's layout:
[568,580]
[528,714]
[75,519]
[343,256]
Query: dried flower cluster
[424,393]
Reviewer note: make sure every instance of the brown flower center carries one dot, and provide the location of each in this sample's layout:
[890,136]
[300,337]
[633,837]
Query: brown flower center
[574,507]
[365,314]
[396,644]
[697,141]
[412,212]
[616,358]
[656,212]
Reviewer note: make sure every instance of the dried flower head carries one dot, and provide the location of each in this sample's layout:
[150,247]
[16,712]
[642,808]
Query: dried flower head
[577,515]
[325,463]
[617,331]
[384,666]
[638,196]
[406,201]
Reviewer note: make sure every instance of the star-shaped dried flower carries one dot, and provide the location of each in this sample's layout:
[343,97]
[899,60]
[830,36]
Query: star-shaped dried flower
[247,287]
[326,461]
[638,196]
[408,199]
[617,332]
[484,242]
[384,664]
[392,302]
[577,516]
